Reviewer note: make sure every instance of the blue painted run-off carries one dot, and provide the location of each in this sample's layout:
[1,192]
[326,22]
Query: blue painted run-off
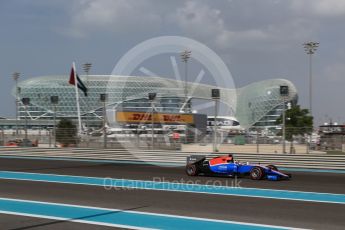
[117,217]
[178,187]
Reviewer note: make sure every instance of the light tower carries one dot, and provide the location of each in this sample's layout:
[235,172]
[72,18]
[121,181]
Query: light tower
[310,48]
[15,77]
[185,55]
[86,67]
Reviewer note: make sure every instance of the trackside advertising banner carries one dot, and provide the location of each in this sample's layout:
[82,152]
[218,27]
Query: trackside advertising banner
[142,117]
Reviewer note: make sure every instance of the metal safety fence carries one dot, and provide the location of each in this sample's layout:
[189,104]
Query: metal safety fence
[255,140]
[177,158]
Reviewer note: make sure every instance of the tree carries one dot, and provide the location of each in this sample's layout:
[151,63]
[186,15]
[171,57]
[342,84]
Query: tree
[298,122]
[66,132]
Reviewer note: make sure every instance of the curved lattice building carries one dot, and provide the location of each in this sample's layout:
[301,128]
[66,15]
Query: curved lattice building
[258,103]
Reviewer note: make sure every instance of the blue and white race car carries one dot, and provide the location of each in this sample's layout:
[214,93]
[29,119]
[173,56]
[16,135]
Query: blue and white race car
[226,166]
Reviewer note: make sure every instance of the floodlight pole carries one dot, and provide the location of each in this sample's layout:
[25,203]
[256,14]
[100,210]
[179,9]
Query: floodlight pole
[284,124]
[15,77]
[103,98]
[185,55]
[54,125]
[216,101]
[54,100]
[86,67]
[215,94]
[26,102]
[152,97]
[104,128]
[257,140]
[26,122]
[310,48]
[284,93]
[152,125]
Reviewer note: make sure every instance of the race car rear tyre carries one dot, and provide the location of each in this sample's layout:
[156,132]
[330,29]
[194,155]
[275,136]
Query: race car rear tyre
[272,167]
[191,170]
[256,173]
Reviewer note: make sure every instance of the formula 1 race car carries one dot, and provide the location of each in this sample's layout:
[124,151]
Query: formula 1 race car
[226,166]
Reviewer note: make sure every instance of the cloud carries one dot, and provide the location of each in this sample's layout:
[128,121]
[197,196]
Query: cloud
[88,16]
[198,18]
[327,8]
[206,23]
[335,72]
[211,23]
[224,24]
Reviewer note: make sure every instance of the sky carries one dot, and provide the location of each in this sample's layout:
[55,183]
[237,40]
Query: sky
[257,40]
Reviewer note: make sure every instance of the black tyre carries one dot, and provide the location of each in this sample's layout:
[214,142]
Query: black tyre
[257,173]
[273,167]
[191,170]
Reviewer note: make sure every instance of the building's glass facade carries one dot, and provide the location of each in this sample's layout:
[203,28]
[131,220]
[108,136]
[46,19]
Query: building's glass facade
[258,103]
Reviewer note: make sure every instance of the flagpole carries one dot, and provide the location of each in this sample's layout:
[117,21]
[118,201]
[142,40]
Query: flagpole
[77,97]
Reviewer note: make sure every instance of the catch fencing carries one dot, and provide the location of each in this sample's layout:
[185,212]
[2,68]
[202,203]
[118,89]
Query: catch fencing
[254,140]
[177,158]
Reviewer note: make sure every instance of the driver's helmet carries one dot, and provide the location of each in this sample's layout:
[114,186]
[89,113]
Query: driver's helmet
[229,158]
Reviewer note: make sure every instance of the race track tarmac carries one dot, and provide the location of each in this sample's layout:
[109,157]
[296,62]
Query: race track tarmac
[290,213]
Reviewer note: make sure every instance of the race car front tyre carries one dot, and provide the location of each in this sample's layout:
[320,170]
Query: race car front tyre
[191,170]
[256,173]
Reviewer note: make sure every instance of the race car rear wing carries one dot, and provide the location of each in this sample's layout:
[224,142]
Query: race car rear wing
[192,159]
